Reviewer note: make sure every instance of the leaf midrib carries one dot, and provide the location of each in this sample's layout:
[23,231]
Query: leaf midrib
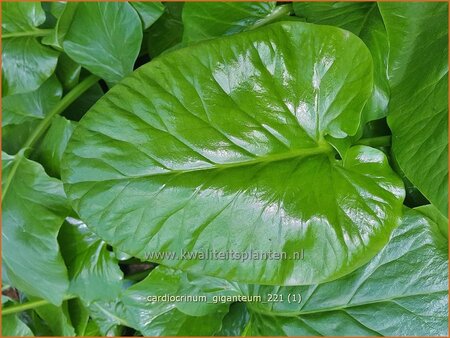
[338,308]
[321,149]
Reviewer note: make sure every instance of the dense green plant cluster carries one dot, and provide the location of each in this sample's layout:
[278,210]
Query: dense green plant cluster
[227,168]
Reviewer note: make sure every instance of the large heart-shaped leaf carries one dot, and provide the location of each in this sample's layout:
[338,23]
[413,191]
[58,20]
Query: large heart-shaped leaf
[402,291]
[220,146]
[418,110]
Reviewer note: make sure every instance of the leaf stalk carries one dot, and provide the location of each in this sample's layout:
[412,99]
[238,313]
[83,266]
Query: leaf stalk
[380,141]
[28,306]
[45,123]
[36,33]
[277,14]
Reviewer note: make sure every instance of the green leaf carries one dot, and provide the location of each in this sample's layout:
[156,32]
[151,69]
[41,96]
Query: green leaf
[22,17]
[235,321]
[433,213]
[212,19]
[162,318]
[351,16]
[26,64]
[22,113]
[373,34]
[57,319]
[58,34]
[53,144]
[68,72]
[33,209]
[149,12]
[217,152]
[418,110]
[31,106]
[14,136]
[167,31]
[403,291]
[12,326]
[92,329]
[79,316]
[83,103]
[94,272]
[105,38]
[108,317]
[57,8]
[363,19]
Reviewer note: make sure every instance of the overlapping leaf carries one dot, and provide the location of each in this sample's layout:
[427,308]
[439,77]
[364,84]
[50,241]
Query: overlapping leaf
[54,143]
[33,209]
[105,38]
[220,146]
[23,112]
[363,19]
[402,291]
[208,20]
[418,110]
[167,31]
[66,13]
[162,318]
[26,64]
[148,11]
[93,271]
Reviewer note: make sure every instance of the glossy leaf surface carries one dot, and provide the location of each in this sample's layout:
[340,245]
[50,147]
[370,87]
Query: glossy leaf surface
[363,19]
[58,34]
[224,153]
[57,319]
[26,64]
[12,326]
[108,317]
[105,38]
[167,31]
[418,110]
[402,291]
[33,209]
[351,16]
[22,112]
[33,105]
[162,318]
[149,12]
[212,19]
[68,71]
[53,144]
[235,321]
[93,271]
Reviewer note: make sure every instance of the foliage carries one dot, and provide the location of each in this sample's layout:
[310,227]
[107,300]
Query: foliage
[136,133]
